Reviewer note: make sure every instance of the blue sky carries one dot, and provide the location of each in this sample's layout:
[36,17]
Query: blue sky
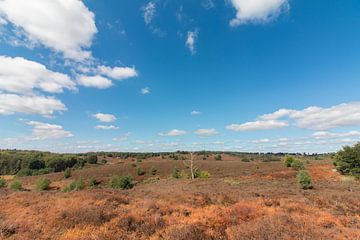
[163,75]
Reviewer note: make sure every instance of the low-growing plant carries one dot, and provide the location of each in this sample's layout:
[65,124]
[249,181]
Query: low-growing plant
[93,182]
[2,183]
[201,174]
[297,164]
[288,161]
[133,165]
[140,171]
[76,185]
[123,182]
[42,184]
[175,173]
[304,179]
[245,160]
[24,172]
[67,173]
[153,170]
[218,157]
[16,185]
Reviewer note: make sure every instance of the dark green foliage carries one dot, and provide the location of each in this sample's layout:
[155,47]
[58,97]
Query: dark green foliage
[245,160]
[176,173]
[24,172]
[2,183]
[140,171]
[91,159]
[103,161]
[297,164]
[76,185]
[42,184]
[304,179]
[218,157]
[347,160]
[288,161]
[201,174]
[67,173]
[93,182]
[133,165]
[153,170]
[122,182]
[16,185]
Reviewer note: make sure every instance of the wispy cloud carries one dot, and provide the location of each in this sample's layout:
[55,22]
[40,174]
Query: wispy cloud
[145,91]
[191,41]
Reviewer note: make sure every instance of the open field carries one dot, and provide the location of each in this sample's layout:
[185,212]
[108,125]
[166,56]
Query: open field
[240,200]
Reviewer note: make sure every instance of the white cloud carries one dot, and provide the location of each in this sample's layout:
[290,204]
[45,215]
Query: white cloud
[46,131]
[94,81]
[318,118]
[283,139]
[206,132]
[191,41]
[257,125]
[102,117]
[208,4]
[145,91]
[149,12]
[118,73]
[326,134]
[106,127]
[264,140]
[66,26]
[173,133]
[124,137]
[257,10]
[193,113]
[46,106]
[19,75]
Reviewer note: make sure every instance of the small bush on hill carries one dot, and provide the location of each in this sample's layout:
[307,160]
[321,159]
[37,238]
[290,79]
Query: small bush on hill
[91,159]
[218,157]
[288,161]
[133,165]
[140,171]
[153,170]
[175,173]
[297,165]
[245,160]
[24,172]
[93,182]
[42,184]
[304,179]
[76,185]
[347,160]
[67,173]
[123,182]
[16,185]
[2,183]
[201,174]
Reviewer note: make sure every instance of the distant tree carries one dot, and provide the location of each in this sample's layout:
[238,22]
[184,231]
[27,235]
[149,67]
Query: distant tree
[91,159]
[190,164]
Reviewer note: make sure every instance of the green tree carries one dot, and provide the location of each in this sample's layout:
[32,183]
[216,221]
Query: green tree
[304,179]
[347,160]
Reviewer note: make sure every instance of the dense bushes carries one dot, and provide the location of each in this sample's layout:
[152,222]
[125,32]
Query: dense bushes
[123,182]
[347,160]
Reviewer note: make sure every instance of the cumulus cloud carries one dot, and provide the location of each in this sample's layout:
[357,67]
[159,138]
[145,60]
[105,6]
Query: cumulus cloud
[149,11]
[206,132]
[102,117]
[318,118]
[46,131]
[257,10]
[145,91]
[193,113]
[257,125]
[94,81]
[191,41]
[46,106]
[117,73]
[327,134]
[106,127]
[62,25]
[19,75]
[173,133]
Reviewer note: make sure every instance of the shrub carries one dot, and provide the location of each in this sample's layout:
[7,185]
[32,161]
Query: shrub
[103,161]
[76,185]
[16,185]
[140,171]
[347,160]
[123,182]
[153,170]
[297,165]
[44,171]
[304,179]
[93,182]
[42,184]
[218,157]
[201,174]
[2,182]
[288,161]
[67,173]
[24,172]
[175,173]
[245,160]
[91,159]
[133,165]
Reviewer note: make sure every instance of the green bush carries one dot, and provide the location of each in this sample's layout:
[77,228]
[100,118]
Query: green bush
[91,159]
[42,184]
[347,160]
[175,173]
[218,157]
[153,170]
[123,182]
[289,161]
[201,174]
[93,182]
[24,172]
[304,179]
[76,185]
[245,160]
[2,183]
[67,173]
[298,165]
[16,185]
[140,171]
